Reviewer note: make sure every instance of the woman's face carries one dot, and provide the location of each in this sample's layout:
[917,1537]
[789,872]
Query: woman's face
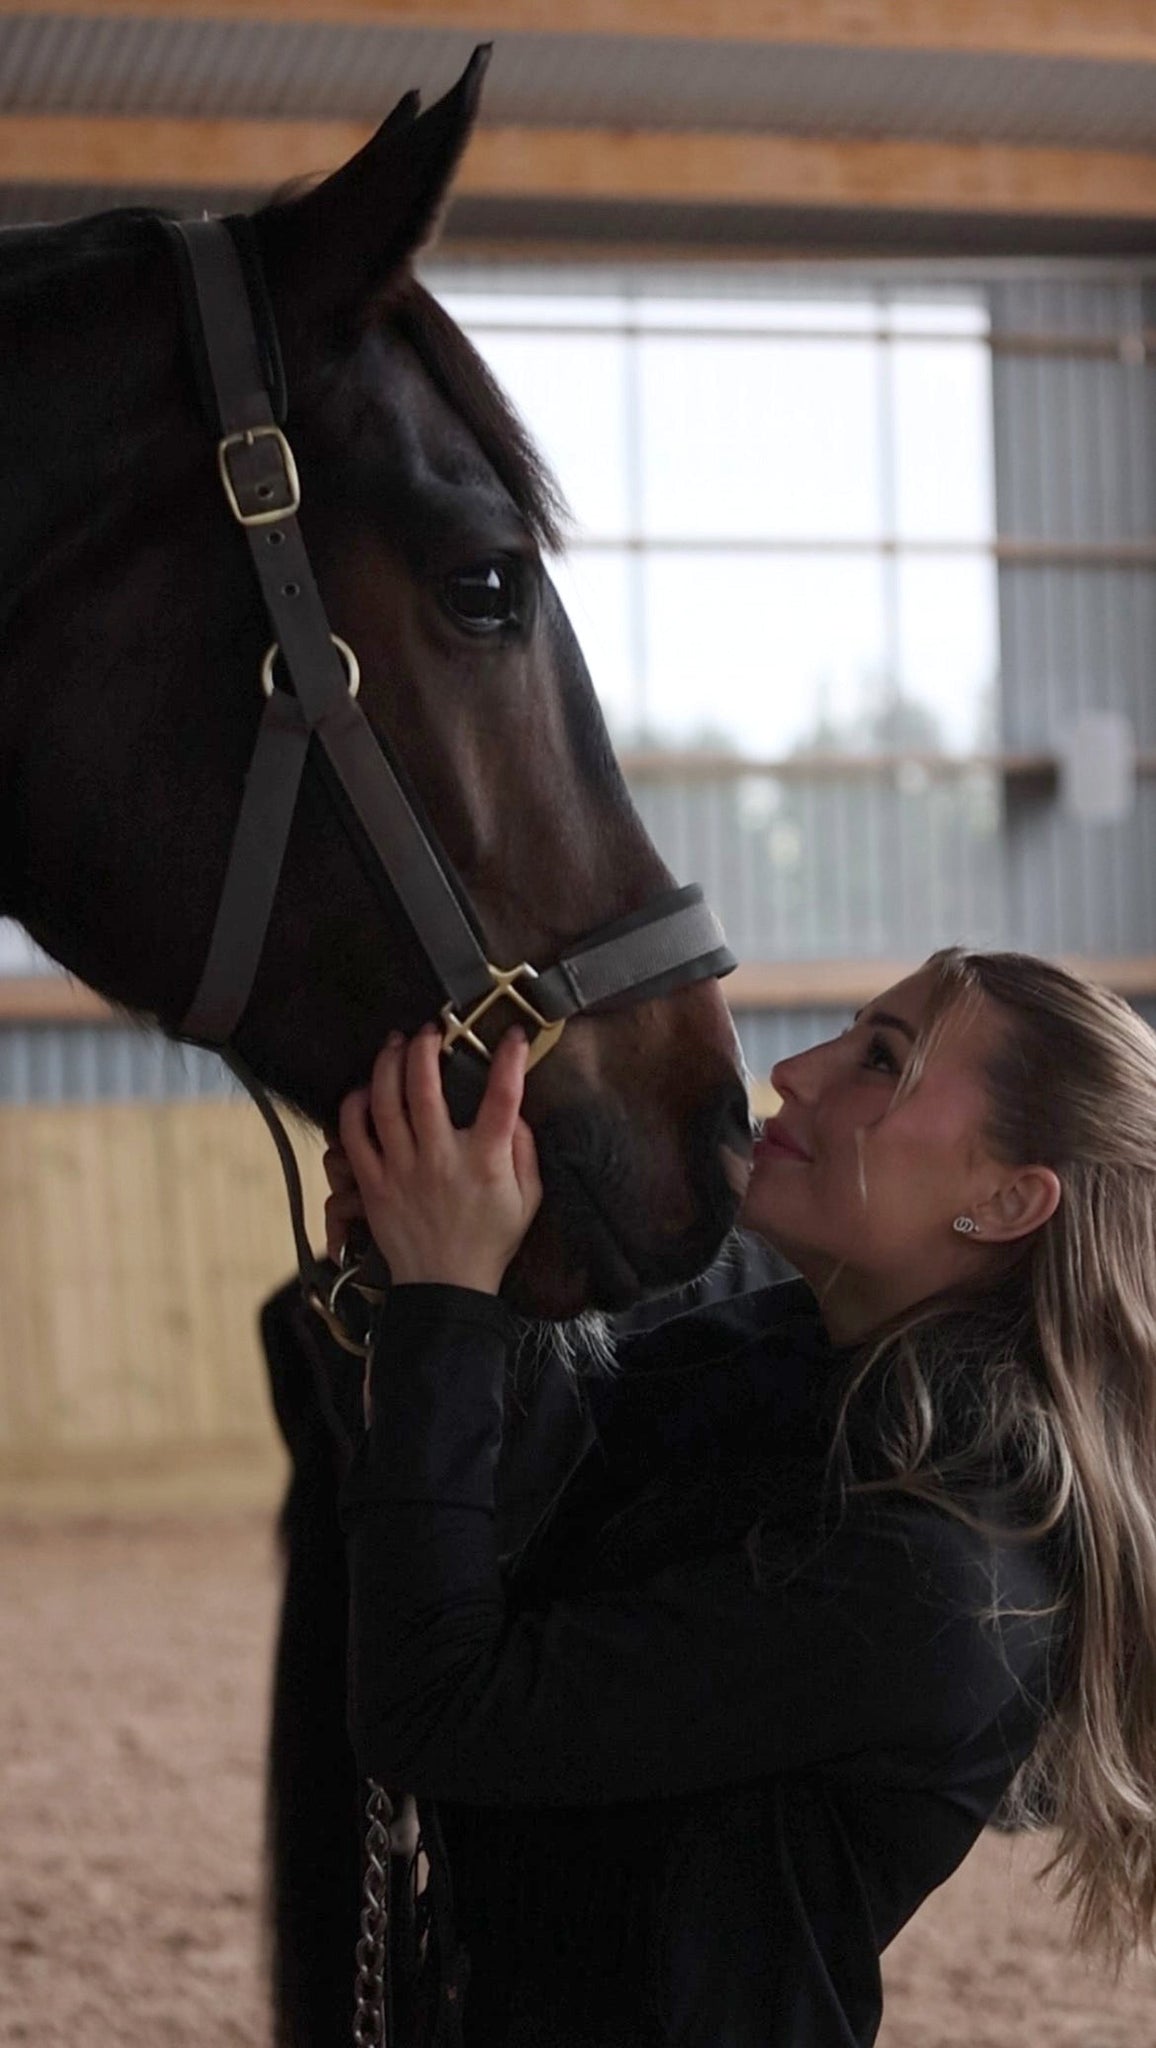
[862,1191]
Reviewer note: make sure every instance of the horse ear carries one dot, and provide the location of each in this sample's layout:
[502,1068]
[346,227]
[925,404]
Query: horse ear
[334,248]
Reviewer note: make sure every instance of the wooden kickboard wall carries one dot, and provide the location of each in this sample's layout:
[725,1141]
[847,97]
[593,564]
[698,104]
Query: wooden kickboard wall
[137,1243]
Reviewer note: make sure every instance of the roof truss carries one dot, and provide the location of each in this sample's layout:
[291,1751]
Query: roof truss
[1114,31]
[595,164]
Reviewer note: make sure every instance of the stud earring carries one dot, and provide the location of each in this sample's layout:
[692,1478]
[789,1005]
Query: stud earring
[967,1226]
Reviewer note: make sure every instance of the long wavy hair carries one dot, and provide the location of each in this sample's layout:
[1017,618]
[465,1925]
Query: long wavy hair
[1055,1378]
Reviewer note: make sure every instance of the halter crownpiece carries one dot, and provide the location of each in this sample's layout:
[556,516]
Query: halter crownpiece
[673,941]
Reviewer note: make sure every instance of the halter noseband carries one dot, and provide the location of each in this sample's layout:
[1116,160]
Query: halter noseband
[674,940]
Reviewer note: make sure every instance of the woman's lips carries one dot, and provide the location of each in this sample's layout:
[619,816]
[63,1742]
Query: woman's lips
[775,1143]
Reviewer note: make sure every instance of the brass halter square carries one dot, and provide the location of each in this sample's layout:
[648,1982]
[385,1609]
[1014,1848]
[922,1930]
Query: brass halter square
[456,1029]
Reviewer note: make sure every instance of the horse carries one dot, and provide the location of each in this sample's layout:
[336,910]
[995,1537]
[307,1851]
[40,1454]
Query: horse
[131,646]
[132,640]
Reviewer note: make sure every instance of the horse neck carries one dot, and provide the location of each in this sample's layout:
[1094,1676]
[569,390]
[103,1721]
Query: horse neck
[78,347]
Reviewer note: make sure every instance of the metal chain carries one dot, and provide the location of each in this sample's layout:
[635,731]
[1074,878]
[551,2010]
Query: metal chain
[372,2022]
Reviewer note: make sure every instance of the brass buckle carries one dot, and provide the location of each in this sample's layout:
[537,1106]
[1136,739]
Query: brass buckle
[245,438]
[457,1029]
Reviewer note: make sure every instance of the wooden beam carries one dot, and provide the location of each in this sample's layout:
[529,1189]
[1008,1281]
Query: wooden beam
[48,149]
[51,999]
[845,984]
[673,766]
[780,170]
[1113,31]
[597,164]
[811,984]
[755,985]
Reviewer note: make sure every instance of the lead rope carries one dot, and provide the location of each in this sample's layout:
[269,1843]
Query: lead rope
[327,1297]
[373,2015]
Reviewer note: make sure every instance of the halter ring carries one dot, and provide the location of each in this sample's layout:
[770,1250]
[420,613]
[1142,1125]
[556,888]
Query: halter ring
[352,666]
[333,1323]
[326,1306]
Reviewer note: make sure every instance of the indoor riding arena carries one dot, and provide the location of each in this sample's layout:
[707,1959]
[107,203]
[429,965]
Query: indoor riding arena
[834,324]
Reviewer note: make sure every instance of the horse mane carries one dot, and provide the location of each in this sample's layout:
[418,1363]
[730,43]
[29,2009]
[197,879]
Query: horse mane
[34,250]
[448,357]
[452,362]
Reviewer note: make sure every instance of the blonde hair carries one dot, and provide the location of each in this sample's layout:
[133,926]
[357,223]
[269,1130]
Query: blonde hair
[1058,1365]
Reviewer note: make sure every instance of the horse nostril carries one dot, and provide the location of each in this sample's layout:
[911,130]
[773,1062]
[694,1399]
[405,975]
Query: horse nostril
[734,1128]
[727,1165]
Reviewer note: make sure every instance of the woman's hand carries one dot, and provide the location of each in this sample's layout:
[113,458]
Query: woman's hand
[344,1204]
[441,1204]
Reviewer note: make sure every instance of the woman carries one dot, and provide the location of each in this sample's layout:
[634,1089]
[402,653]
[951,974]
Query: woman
[848,1557]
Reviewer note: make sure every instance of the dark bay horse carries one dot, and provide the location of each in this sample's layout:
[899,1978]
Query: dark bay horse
[131,647]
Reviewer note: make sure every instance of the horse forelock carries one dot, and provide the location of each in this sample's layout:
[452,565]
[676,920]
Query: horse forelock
[32,254]
[469,387]
[446,360]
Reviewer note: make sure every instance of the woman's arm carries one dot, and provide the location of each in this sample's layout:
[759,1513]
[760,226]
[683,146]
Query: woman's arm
[709,1673]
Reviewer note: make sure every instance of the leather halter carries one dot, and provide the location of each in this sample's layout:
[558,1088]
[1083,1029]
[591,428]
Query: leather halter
[674,940]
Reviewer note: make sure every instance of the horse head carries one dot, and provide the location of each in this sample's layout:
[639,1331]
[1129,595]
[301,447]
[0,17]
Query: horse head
[133,642]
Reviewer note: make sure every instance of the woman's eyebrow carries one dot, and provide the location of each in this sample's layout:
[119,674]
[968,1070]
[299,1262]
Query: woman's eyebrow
[889,1022]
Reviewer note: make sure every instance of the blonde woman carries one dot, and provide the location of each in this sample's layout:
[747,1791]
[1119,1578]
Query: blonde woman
[850,1557]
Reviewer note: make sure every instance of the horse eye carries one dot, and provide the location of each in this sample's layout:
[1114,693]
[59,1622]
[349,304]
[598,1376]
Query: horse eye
[483,597]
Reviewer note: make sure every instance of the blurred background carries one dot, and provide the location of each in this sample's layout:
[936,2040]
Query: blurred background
[835,325]
[835,322]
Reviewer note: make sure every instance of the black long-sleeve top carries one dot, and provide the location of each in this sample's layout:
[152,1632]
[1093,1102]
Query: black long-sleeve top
[701,1748]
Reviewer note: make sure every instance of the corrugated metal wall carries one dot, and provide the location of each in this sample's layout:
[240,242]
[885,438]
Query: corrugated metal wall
[104,1063]
[893,865]
[91,1063]
[1073,439]
[838,868]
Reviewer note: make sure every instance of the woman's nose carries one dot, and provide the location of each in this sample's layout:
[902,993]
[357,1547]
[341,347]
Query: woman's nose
[797,1075]
[783,1075]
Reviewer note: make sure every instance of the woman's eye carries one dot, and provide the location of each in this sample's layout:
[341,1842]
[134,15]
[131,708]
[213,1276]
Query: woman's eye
[483,597]
[879,1056]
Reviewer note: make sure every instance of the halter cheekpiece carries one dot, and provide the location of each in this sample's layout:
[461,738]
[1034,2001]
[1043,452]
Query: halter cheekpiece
[310,681]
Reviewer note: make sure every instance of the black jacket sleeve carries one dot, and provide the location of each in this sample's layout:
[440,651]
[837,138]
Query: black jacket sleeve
[758,1659]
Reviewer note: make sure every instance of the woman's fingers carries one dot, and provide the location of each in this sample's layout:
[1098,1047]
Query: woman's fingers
[340,1212]
[338,1172]
[387,1103]
[441,1204]
[358,1137]
[525,1156]
[424,1095]
[498,1113]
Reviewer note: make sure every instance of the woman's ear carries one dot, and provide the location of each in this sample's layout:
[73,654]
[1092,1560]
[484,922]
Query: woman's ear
[1021,1204]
